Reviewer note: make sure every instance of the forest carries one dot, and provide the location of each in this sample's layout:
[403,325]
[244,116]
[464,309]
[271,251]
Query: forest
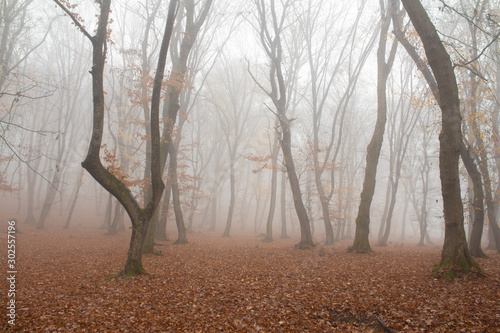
[250,166]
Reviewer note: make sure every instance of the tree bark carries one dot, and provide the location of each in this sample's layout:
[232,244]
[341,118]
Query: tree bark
[306,241]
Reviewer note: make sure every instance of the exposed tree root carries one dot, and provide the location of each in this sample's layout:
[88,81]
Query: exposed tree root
[267,240]
[127,274]
[180,242]
[304,246]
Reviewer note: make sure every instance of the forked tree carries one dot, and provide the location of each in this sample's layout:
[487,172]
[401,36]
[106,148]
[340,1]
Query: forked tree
[140,216]
[270,31]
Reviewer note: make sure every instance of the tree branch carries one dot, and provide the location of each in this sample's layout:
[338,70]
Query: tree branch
[75,20]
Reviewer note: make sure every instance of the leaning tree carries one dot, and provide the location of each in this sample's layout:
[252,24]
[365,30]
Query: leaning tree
[455,257]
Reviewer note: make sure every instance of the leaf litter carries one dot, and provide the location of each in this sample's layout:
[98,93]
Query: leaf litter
[241,284]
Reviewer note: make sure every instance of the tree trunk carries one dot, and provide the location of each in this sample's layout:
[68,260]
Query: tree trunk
[274,189]
[161,227]
[403,220]
[257,199]
[423,227]
[133,265]
[387,203]
[284,233]
[30,217]
[325,209]
[306,241]
[107,213]
[149,239]
[179,218]
[49,198]
[361,243]
[232,200]
[75,198]
[477,206]
[455,257]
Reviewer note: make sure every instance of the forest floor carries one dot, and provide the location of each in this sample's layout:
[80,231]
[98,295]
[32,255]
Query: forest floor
[240,284]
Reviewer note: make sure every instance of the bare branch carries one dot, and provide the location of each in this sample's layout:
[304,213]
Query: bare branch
[77,23]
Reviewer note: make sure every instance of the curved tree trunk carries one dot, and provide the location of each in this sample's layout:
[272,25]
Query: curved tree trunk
[361,242]
[140,217]
[270,30]
[455,257]
[306,241]
[478,206]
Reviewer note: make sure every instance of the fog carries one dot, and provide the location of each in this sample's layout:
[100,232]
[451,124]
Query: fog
[229,163]
[250,166]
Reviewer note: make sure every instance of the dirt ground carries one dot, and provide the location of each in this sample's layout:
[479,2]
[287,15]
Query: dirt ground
[240,284]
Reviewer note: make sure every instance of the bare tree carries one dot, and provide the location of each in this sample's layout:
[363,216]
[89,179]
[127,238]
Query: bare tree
[171,106]
[324,72]
[399,138]
[361,242]
[271,28]
[140,217]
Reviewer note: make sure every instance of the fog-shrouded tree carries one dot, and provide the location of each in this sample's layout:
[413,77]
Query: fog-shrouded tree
[66,108]
[139,216]
[361,242]
[473,110]
[232,99]
[402,122]
[181,50]
[326,66]
[273,18]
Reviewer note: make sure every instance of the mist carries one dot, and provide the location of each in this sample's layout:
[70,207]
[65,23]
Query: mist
[331,127]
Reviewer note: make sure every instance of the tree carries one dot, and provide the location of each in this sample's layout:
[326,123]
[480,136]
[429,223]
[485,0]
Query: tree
[325,72]
[233,101]
[270,33]
[169,147]
[455,257]
[78,185]
[361,242]
[67,121]
[475,176]
[474,113]
[399,138]
[139,216]
[17,83]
